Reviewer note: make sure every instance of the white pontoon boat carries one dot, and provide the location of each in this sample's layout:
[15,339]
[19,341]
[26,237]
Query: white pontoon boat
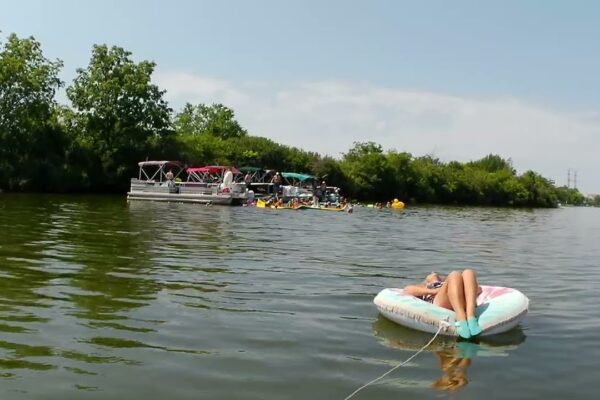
[160,181]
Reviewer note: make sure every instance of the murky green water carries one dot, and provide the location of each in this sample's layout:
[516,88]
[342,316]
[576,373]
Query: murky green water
[102,299]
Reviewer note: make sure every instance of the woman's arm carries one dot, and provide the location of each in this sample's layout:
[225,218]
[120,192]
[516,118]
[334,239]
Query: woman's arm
[419,290]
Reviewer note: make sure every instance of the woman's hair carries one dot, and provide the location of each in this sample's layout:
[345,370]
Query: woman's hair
[434,277]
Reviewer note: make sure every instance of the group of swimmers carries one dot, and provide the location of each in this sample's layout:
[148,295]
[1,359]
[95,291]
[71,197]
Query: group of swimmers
[296,202]
[293,203]
[390,204]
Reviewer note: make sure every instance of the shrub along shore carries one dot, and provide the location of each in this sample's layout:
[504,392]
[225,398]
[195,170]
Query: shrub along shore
[116,116]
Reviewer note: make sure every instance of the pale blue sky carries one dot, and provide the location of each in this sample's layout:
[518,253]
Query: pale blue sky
[468,62]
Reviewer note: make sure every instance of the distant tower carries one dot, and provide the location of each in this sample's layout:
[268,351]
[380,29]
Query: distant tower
[569,178]
[575,179]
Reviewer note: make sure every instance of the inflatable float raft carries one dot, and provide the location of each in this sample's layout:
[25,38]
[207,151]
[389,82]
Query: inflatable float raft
[397,204]
[499,309]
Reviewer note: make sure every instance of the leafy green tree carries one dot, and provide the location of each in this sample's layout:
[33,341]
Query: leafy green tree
[400,165]
[570,196]
[334,174]
[199,150]
[216,120]
[30,140]
[268,154]
[541,192]
[122,117]
[427,181]
[493,163]
[370,173]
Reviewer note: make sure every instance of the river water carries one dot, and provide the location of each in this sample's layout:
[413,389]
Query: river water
[103,299]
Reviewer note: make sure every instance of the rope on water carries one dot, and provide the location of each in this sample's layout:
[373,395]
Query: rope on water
[442,325]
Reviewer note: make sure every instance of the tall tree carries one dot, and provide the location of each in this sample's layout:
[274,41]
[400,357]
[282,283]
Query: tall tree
[122,116]
[29,143]
[370,173]
[216,120]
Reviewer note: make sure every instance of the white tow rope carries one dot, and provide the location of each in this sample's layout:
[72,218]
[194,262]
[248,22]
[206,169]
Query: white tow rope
[442,325]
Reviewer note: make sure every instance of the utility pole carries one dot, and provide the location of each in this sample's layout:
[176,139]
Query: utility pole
[569,178]
[575,179]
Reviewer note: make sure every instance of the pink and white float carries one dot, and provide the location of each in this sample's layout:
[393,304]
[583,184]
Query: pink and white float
[499,309]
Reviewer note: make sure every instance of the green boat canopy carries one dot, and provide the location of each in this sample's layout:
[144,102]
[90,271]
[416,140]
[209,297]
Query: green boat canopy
[300,177]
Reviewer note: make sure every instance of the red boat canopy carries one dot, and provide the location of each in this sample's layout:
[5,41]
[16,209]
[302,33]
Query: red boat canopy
[213,169]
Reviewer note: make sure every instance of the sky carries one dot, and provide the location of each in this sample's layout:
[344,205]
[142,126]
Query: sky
[454,79]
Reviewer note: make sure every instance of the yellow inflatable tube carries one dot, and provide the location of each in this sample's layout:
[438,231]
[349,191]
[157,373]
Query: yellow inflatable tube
[397,204]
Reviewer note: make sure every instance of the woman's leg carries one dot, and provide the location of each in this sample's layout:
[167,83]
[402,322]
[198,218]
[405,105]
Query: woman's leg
[470,289]
[452,295]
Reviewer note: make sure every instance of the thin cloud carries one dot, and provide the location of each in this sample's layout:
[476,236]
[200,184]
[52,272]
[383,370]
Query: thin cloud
[329,116]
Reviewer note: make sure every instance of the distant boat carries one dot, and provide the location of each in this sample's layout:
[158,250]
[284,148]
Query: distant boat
[159,181]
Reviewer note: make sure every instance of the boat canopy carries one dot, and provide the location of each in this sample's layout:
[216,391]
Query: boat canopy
[157,170]
[258,175]
[299,177]
[210,173]
[213,169]
[250,169]
[143,164]
[225,168]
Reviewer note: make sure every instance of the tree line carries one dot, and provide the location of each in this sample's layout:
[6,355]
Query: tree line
[116,116]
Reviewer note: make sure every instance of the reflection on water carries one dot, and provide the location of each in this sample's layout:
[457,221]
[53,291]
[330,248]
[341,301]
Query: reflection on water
[453,357]
[87,276]
[454,364]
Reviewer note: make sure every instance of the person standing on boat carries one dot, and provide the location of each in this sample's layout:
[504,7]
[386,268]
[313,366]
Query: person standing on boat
[227,180]
[276,183]
[169,176]
[323,191]
[316,193]
[248,181]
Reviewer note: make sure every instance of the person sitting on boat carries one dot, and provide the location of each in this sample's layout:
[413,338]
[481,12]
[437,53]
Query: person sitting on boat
[457,292]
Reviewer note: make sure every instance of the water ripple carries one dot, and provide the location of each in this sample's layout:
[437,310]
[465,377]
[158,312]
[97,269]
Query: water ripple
[223,303]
